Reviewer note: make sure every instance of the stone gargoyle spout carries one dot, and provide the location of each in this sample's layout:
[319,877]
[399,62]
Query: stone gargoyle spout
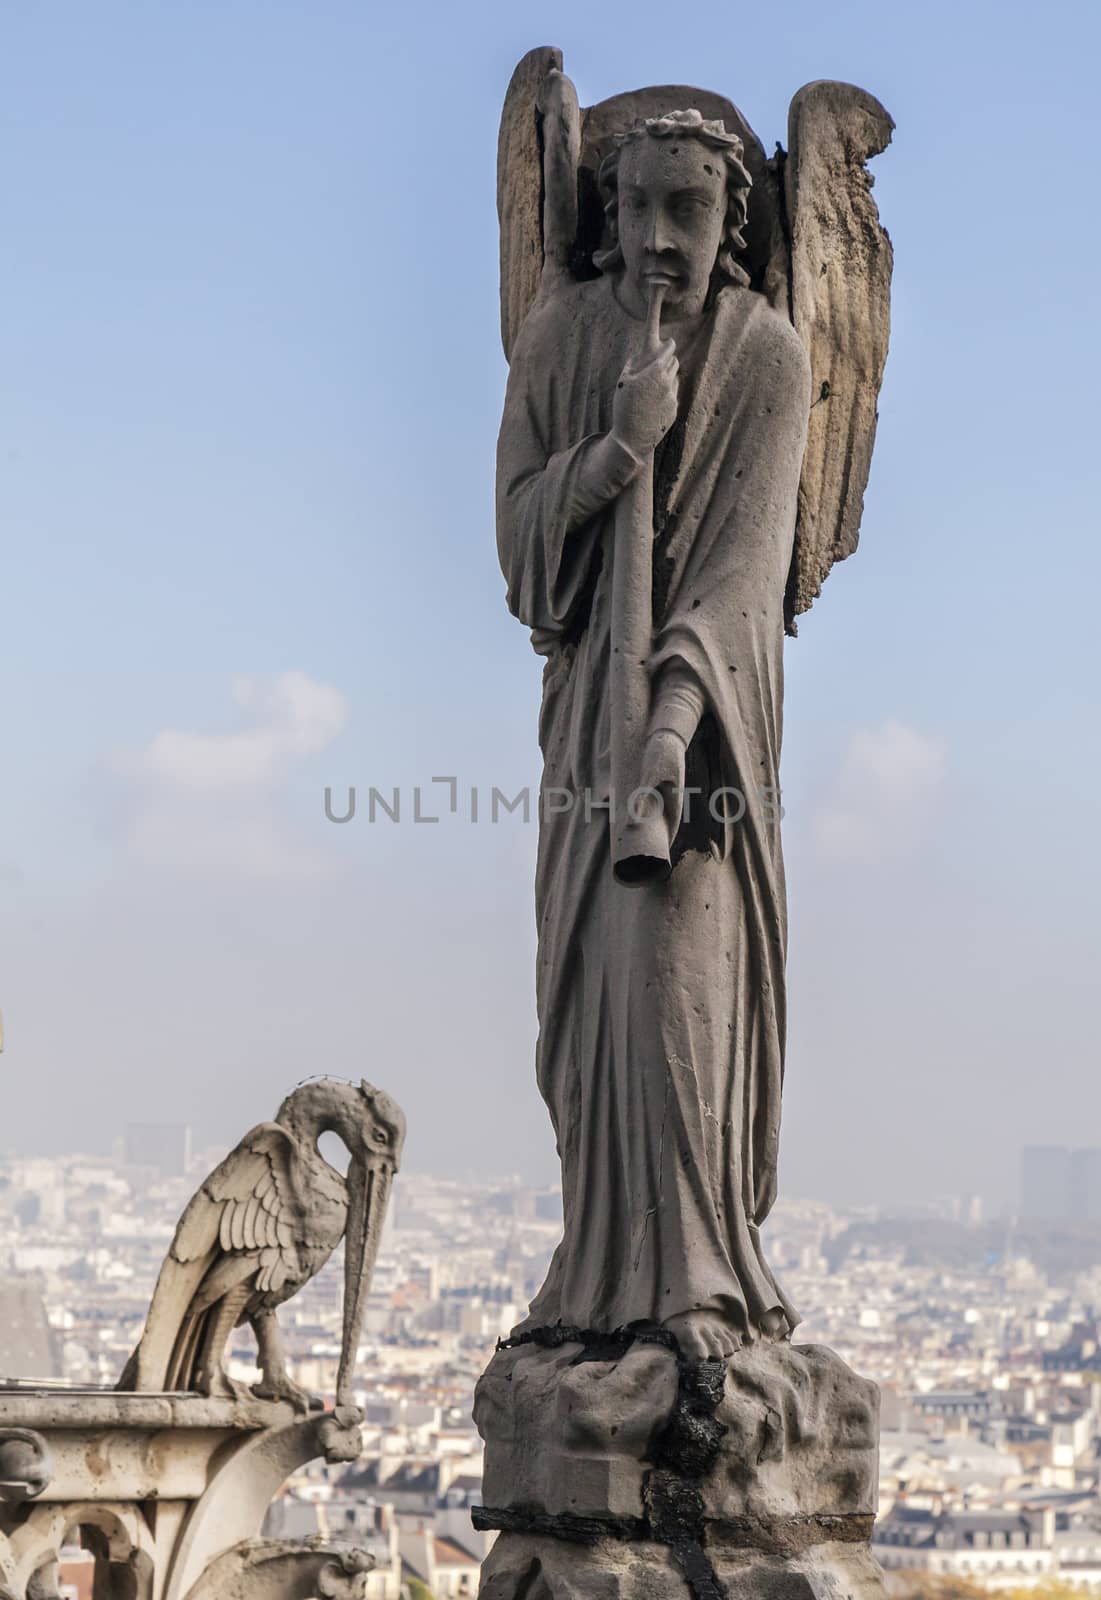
[274,1569]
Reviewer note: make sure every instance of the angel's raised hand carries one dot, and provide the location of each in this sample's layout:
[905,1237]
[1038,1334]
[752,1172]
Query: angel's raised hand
[644,407]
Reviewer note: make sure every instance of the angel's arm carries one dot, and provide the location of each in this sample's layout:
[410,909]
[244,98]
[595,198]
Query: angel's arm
[547,505]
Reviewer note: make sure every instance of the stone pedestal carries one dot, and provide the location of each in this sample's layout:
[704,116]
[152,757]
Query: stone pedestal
[616,1470]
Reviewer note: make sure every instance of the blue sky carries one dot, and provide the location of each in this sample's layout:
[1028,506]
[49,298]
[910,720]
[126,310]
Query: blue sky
[252,384]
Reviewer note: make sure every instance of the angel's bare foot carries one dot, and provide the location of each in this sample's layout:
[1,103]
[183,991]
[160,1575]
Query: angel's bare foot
[704,1335]
[278,1386]
[774,1325]
[707,1336]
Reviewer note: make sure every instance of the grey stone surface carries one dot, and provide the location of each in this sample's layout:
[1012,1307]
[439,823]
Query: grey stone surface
[80,1410]
[828,1571]
[802,1437]
[547,1569]
[523,1567]
[651,470]
[779,1434]
[174,1502]
[696,336]
[519,188]
[276,1569]
[26,1465]
[570,1436]
[169,1486]
[660,1005]
[841,262]
[265,1221]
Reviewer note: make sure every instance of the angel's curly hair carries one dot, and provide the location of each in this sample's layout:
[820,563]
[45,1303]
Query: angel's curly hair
[683,125]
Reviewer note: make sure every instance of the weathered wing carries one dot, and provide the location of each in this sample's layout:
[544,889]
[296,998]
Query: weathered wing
[520,188]
[253,1194]
[841,262]
[240,1223]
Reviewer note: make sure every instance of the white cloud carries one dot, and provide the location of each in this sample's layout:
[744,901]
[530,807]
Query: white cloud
[294,717]
[888,785]
[209,801]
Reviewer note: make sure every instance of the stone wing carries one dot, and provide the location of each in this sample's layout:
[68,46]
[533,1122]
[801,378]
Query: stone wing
[250,1207]
[538,147]
[841,262]
[239,1223]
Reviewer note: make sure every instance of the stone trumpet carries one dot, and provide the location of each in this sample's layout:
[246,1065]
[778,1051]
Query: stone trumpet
[640,828]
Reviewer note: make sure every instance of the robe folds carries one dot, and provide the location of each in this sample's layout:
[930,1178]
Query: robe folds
[662,1008]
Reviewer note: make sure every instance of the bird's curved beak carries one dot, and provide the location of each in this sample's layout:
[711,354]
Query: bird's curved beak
[369,1181]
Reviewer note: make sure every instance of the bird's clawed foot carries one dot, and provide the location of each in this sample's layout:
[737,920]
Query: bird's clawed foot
[220,1386]
[277,1386]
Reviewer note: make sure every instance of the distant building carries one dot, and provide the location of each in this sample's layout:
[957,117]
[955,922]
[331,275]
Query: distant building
[1085,1185]
[1045,1183]
[1078,1354]
[446,1568]
[76,1574]
[28,1345]
[515,1202]
[1059,1184]
[993,1548]
[957,1406]
[548,1205]
[166,1146]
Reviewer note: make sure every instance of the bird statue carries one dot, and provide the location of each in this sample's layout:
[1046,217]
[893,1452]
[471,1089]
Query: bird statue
[264,1222]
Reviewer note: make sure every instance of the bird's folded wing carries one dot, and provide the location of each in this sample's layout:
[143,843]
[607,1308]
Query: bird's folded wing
[245,1204]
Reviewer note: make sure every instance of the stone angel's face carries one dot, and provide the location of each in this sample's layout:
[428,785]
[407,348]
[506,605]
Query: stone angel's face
[672,213]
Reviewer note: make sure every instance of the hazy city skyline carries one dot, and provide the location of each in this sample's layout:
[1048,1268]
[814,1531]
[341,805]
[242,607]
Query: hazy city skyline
[984,1343]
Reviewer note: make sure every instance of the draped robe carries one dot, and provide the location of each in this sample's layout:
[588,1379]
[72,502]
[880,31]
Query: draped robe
[662,1008]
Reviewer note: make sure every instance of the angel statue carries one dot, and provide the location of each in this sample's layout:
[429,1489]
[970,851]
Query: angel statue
[696,337]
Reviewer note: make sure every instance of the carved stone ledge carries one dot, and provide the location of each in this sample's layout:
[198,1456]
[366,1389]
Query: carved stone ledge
[47,1408]
[133,1447]
[172,1485]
